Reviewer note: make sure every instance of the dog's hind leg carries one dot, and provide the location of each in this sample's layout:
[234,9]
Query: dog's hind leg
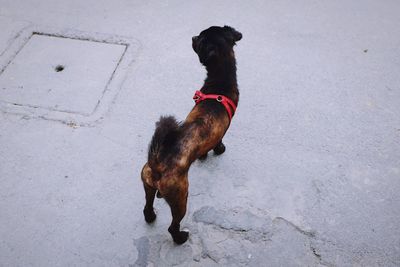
[219,148]
[176,197]
[150,191]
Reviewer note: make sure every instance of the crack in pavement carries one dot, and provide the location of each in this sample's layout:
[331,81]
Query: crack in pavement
[243,222]
[297,228]
[143,247]
[234,237]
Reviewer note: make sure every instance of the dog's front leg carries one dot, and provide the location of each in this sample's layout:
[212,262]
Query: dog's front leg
[203,157]
[177,198]
[219,148]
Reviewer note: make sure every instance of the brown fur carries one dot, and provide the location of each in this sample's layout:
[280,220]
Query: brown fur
[175,146]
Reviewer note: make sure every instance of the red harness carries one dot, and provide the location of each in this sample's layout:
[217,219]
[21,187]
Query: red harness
[227,102]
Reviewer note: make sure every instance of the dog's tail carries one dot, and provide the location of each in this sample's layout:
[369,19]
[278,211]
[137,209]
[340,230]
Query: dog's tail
[163,142]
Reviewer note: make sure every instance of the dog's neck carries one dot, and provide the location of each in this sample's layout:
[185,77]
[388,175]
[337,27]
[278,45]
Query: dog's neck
[221,79]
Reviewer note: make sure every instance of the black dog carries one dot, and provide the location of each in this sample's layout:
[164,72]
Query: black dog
[175,146]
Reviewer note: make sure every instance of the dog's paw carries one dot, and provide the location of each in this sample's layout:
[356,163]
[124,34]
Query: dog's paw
[180,237]
[204,157]
[149,215]
[219,149]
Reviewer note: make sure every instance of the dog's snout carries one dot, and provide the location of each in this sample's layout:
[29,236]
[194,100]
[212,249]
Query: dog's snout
[194,43]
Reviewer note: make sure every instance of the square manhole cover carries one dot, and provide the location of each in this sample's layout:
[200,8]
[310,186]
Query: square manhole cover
[60,74]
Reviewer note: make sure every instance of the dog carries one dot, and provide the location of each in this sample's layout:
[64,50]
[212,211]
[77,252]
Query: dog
[175,146]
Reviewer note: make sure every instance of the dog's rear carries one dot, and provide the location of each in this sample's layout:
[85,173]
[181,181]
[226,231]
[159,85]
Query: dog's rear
[163,144]
[157,174]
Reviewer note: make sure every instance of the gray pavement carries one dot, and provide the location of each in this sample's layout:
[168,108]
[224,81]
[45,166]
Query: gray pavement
[311,175]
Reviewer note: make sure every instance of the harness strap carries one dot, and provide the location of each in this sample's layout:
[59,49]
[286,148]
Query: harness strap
[227,102]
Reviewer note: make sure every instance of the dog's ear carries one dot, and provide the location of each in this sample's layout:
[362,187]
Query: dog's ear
[236,36]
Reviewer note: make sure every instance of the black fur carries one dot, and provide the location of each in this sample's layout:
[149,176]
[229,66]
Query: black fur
[213,46]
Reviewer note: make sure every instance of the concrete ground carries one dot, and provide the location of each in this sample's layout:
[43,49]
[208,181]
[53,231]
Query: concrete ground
[311,175]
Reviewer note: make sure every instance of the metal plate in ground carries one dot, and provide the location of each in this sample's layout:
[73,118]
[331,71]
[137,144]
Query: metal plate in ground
[60,74]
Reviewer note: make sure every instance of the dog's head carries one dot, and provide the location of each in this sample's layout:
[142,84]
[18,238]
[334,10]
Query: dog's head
[215,44]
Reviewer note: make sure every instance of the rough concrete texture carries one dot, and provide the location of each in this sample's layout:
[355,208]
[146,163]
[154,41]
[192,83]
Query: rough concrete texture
[311,175]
